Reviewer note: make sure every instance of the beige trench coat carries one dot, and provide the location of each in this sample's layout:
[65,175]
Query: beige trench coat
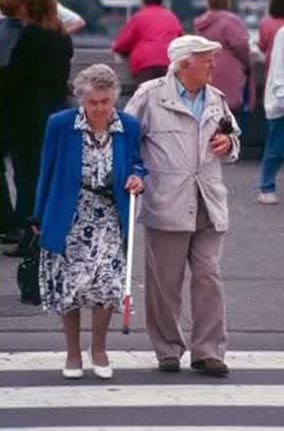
[177,153]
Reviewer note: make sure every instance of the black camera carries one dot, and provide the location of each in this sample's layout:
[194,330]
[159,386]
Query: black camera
[225,126]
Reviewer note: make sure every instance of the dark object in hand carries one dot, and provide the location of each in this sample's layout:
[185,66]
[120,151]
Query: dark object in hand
[225,126]
[27,272]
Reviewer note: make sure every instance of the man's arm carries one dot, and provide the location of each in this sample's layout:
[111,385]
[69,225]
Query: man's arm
[126,38]
[277,66]
[227,145]
[136,106]
[237,39]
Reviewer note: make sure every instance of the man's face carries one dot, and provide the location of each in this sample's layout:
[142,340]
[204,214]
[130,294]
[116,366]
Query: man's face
[200,68]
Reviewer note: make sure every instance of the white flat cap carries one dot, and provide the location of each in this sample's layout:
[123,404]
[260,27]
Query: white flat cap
[190,44]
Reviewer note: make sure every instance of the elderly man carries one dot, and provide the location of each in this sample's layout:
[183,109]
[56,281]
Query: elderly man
[188,131]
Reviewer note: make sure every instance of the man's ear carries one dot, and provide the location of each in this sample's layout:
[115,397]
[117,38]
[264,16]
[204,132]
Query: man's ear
[184,64]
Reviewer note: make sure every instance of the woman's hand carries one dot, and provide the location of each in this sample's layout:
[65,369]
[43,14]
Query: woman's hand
[134,185]
[35,230]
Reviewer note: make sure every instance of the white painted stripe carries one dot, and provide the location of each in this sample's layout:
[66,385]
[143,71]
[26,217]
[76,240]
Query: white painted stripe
[28,361]
[149,428]
[142,396]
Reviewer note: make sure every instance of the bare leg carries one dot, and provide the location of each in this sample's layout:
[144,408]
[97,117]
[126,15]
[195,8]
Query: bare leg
[101,319]
[71,322]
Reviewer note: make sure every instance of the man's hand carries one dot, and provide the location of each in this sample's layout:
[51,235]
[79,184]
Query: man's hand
[220,144]
[134,185]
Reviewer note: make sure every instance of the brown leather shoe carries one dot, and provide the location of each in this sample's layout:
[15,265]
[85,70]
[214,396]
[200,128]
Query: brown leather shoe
[211,367]
[169,365]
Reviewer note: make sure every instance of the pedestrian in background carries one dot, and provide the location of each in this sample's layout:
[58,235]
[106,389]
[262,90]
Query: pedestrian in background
[10,28]
[274,110]
[232,74]
[184,206]
[268,27]
[37,85]
[145,38]
[90,164]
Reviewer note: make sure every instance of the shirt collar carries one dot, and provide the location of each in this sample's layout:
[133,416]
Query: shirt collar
[183,92]
[82,123]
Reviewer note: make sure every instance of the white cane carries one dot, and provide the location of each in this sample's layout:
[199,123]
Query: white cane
[129,265]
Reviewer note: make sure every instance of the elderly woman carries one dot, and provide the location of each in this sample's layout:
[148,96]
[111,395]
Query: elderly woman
[90,164]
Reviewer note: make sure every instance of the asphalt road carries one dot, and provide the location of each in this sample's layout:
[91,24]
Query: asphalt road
[252,268]
[34,396]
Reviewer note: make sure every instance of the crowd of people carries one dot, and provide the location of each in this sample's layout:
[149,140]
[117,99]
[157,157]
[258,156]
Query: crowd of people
[74,168]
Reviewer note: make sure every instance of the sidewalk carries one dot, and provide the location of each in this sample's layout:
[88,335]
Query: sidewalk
[252,266]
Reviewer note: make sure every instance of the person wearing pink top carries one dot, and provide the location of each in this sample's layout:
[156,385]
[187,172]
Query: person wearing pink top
[268,27]
[145,38]
[233,69]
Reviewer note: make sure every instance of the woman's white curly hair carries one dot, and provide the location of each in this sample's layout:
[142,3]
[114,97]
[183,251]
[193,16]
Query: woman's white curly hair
[97,76]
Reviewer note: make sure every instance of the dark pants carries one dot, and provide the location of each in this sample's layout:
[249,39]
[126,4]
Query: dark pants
[25,183]
[7,216]
[26,139]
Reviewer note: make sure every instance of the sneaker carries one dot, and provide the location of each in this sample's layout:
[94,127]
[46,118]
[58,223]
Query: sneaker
[169,365]
[211,367]
[267,198]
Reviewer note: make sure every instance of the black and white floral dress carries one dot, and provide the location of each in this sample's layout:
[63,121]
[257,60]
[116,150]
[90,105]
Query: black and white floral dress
[92,270]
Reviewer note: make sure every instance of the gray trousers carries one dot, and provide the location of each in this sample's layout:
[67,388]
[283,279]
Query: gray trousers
[166,256]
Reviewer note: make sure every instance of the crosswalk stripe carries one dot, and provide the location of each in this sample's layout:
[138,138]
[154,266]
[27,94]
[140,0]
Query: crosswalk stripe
[28,361]
[142,396]
[147,428]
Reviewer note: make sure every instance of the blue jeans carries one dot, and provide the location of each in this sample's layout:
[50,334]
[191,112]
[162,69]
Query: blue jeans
[273,156]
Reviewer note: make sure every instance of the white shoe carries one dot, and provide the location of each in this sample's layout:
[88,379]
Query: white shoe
[103,372]
[267,198]
[72,373]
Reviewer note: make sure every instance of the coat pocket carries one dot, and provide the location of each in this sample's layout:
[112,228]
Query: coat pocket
[168,200]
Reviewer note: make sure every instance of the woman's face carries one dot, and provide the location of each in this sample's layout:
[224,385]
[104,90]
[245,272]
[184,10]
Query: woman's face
[99,103]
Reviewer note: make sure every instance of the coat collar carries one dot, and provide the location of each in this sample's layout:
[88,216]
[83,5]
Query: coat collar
[73,114]
[81,122]
[170,98]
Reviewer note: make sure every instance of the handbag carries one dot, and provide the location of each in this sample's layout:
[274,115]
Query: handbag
[27,272]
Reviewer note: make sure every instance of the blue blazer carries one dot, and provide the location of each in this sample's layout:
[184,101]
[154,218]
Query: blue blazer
[60,175]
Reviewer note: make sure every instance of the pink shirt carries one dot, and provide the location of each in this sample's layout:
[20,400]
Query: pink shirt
[267,30]
[232,70]
[146,36]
